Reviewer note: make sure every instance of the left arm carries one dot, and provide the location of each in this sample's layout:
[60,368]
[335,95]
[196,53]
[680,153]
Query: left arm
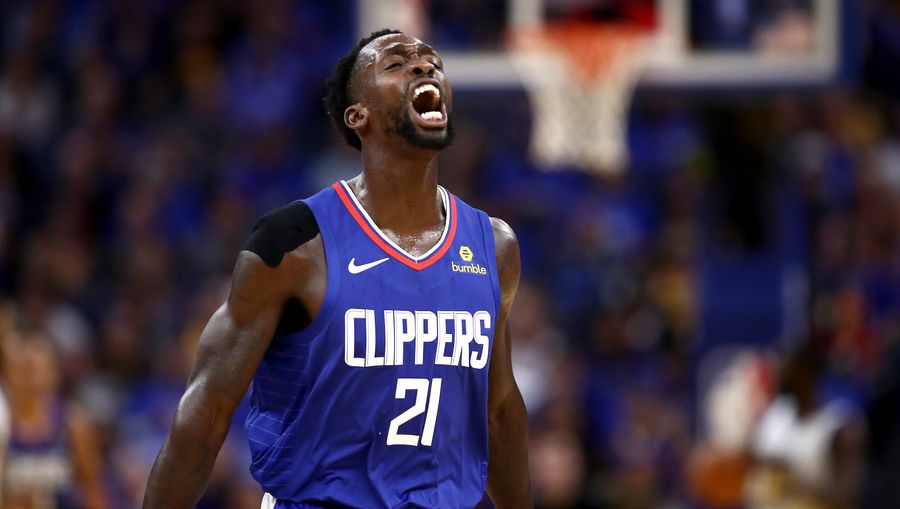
[508,483]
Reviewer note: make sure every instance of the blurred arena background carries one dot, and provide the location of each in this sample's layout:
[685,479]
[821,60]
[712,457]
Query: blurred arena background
[747,249]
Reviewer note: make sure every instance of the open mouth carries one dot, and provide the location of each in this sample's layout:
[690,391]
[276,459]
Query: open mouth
[428,105]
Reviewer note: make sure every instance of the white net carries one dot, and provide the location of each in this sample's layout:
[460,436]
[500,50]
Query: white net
[580,80]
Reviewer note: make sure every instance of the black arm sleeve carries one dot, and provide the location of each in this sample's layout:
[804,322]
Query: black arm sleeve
[281,231]
[275,234]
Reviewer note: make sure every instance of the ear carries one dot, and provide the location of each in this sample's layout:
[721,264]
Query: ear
[356,116]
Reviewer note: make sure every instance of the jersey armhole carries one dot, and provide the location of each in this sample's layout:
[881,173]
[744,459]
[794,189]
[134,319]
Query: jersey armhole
[332,282]
[488,231]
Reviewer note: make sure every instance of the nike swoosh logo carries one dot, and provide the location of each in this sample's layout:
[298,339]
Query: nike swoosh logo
[356,269]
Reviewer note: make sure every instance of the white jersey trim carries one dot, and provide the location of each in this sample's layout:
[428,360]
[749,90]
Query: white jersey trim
[444,199]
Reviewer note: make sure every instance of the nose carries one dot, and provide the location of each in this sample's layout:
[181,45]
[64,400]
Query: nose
[423,67]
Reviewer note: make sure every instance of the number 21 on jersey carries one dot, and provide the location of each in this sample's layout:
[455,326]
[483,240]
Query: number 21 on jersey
[433,396]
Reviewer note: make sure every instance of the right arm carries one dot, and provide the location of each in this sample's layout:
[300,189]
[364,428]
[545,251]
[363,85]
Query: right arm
[230,349]
[508,483]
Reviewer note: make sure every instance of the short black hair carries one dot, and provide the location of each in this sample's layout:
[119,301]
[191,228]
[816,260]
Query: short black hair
[338,98]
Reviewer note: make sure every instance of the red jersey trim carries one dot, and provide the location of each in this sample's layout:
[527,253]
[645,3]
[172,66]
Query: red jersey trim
[390,250]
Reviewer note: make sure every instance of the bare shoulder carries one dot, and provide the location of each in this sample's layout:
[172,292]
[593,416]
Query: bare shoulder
[504,238]
[508,262]
[307,258]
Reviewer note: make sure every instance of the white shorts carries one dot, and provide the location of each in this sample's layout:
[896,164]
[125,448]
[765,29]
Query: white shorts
[268,502]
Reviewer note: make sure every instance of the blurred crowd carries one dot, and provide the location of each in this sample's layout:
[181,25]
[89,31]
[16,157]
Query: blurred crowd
[744,269]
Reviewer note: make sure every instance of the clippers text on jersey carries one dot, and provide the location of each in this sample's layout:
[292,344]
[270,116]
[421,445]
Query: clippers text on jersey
[395,337]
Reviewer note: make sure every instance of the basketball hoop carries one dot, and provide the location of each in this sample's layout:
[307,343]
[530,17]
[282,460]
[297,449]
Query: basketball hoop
[580,77]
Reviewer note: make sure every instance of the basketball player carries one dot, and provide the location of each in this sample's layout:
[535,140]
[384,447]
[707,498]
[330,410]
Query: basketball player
[808,450]
[371,320]
[52,460]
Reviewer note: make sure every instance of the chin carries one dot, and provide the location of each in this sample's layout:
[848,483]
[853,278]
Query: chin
[430,139]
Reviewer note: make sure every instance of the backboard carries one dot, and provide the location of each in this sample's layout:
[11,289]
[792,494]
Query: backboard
[703,43]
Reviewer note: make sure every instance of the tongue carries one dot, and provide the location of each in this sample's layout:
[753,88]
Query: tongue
[426,101]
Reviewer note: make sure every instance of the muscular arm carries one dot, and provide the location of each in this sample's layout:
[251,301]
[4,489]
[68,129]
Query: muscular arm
[508,481]
[230,349]
[282,260]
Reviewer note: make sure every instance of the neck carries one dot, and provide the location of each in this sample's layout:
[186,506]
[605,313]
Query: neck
[399,188]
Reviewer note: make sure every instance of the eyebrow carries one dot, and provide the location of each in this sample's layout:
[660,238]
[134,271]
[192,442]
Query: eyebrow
[399,47]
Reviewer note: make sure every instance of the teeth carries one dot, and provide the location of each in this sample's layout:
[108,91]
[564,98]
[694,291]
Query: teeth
[432,115]
[428,87]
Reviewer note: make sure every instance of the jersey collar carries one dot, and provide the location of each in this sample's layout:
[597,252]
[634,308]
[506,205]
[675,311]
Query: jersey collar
[371,230]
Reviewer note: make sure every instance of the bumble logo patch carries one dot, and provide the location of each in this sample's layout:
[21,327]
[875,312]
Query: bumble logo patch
[467,268]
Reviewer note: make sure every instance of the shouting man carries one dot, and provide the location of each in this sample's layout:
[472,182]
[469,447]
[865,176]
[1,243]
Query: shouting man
[371,320]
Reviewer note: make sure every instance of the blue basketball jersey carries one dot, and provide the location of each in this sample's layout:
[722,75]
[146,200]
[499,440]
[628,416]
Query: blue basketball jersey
[381,402]
[41,468]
